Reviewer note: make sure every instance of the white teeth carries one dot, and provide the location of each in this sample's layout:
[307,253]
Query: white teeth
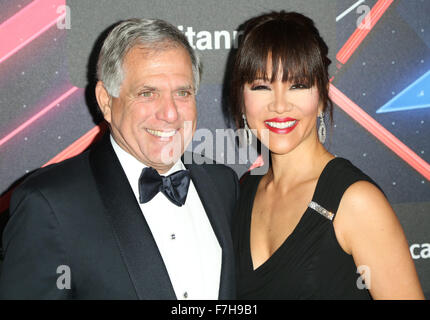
[162,134]
[281,125]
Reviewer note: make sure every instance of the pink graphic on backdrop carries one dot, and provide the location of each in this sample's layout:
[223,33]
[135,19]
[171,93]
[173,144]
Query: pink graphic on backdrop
[363,30]
[28,24]
[38,115]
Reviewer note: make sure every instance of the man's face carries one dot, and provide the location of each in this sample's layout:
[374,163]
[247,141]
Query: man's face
[154,117]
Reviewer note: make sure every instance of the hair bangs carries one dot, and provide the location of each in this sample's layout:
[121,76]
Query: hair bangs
[280,46]
[282,51]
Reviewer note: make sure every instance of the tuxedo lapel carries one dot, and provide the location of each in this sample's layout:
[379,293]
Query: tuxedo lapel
[133,235]
[214,207]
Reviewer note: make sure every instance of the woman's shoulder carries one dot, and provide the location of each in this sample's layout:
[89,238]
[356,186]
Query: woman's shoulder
[338,176]
[361,207]
[344,168]
[362,198]
[364,213]
[342,174]
[362,195]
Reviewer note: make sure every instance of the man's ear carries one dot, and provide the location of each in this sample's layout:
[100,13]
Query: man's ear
[104,100]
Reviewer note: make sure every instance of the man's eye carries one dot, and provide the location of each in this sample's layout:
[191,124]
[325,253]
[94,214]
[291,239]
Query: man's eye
[146,94]
[299,86]
[184,93]
[259,87]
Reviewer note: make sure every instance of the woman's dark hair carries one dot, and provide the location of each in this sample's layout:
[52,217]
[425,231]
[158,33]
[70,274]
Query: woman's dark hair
[293,43]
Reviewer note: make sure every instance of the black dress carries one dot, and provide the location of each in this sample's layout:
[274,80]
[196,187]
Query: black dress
[310,264]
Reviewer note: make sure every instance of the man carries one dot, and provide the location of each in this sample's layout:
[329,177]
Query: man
[127,219]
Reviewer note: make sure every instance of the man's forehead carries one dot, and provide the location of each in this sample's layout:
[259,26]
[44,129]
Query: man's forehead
[139,64]
[151,51]
[176,58]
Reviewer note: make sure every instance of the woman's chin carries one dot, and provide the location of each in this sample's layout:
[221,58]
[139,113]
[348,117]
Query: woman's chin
[280,148]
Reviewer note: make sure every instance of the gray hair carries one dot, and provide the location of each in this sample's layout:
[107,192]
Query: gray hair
[152,34]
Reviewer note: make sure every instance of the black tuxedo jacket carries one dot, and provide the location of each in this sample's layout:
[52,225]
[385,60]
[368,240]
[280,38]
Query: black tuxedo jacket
[82,214]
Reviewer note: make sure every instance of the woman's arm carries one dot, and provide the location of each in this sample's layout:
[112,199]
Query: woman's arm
[367,227]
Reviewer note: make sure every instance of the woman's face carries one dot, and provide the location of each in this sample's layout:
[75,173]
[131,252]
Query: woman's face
[287,110]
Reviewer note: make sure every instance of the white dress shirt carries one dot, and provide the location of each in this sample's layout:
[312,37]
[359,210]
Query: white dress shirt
[184,235]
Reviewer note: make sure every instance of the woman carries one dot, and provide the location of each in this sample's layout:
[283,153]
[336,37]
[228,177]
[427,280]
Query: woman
[313,223]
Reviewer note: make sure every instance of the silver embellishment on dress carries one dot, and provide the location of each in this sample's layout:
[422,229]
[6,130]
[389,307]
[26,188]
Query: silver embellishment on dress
[313,205]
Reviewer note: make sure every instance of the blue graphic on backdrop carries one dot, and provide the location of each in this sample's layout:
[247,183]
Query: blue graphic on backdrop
[416,96]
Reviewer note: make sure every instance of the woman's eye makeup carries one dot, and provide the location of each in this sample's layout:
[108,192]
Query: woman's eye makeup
[256,87]
[299,86]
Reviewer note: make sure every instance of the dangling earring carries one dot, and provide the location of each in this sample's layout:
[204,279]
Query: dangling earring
[247,132]
[322,131]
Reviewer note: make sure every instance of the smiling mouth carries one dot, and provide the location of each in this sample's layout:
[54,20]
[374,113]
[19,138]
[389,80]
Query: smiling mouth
[281,125]
[162,134]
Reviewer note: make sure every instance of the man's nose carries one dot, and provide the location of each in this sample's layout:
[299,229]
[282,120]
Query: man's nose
[167,110]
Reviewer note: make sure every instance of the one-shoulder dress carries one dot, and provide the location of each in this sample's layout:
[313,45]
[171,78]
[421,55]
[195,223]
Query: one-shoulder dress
[310,264]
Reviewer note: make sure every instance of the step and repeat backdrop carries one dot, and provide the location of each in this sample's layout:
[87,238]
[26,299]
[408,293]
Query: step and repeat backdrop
[380,75]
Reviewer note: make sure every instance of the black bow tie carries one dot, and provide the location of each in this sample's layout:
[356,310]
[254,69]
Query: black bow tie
[174,186]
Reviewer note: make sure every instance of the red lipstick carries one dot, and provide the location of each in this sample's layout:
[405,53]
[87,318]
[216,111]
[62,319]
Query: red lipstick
[281,120]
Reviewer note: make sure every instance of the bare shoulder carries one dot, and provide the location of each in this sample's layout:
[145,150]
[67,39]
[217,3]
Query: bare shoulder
[367,228]
[364,209]
[363,194]
[364,201]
